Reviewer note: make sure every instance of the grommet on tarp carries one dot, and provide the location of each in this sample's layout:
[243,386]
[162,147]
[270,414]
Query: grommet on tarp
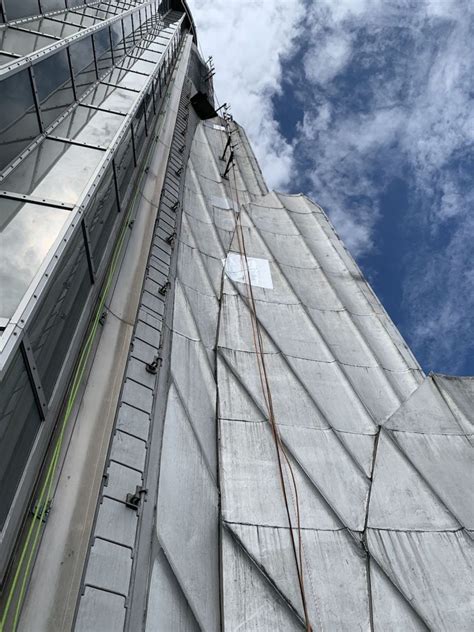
[164,288]
[133,501]
[152,367]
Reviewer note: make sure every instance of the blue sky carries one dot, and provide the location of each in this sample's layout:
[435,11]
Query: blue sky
[366,106]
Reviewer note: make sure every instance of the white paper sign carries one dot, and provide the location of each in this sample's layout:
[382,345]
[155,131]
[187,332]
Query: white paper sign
[259,270]
[219,128]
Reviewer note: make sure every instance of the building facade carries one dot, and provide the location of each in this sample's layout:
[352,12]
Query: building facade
[207,419]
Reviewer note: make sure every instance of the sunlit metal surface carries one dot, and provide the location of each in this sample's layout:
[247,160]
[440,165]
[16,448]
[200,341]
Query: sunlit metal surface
[25,240]
[54,170]
[94,127]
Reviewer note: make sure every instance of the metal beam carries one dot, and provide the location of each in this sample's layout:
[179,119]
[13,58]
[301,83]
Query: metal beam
[32,199]
[72,141]
[87,245]
[35,379]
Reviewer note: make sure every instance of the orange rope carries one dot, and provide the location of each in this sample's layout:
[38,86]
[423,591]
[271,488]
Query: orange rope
[267,394]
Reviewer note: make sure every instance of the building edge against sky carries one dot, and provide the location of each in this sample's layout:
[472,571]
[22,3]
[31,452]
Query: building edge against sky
[162,310]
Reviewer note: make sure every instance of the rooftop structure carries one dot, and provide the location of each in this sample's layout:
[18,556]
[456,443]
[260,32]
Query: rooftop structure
[207,419]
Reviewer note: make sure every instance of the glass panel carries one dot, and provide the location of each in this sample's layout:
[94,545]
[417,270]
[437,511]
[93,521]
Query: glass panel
[5,60]
[54,325]
[163,7]
[101,42]
[149,55]
[19,425]
[136,25]
[51,27]
[22,42]
[54,86]
[117,39]
[95,13]
[83,67]
[54,170]
[89,126]
[157,89]
[103,49]
[15,9]
[18,120]
[149,105]
[126,79]
[139,129]
[111,98]
[156,47]
[74,3]
[124,164]
[101,217]
[123,6]
[127,63]
[52,5]
[112,9]
[27,232]
[76,18]
[143,19]
[140,65]
[128,29]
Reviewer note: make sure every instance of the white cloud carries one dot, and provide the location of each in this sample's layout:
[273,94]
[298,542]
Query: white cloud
[248,41]
[327,57]
[408,65]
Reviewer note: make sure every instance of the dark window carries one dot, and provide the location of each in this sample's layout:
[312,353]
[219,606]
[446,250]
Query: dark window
[18,119]
[19,425]
[54,86]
